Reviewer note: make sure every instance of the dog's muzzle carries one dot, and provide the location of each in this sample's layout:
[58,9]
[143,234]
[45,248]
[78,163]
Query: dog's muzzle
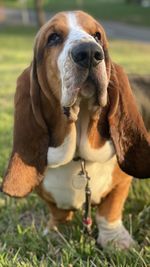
[87,54]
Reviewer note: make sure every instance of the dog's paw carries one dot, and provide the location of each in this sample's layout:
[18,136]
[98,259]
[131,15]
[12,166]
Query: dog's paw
[114,234]
[52,226]
[48,230]
[118,237]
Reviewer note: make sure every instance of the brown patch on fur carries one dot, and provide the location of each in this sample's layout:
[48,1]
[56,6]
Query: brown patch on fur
[113,201]
[91,26]
[95,140]
[98,129]
[20,177]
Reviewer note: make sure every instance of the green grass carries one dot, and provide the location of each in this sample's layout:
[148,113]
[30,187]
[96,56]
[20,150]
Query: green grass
[132,55]
[22,221]
[116,10]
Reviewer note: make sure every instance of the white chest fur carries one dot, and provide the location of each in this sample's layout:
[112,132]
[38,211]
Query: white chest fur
[62,180]
[68,189]
[76,142]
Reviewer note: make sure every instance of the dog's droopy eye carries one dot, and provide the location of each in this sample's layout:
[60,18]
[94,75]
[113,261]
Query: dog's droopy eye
[54,39]
[97,36]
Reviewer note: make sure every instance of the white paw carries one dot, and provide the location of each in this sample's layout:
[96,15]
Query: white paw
[45,231]
[113,234]
[48,230]
[119,238]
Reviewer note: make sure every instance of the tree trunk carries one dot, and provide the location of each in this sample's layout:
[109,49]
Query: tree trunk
[24,12]
[40,12]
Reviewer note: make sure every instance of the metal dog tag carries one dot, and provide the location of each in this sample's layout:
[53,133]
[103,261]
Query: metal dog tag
[79,181]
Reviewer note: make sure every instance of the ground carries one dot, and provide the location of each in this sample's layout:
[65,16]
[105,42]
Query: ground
[22,221]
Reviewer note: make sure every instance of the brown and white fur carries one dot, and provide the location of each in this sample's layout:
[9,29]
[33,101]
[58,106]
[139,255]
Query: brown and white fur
[64,110]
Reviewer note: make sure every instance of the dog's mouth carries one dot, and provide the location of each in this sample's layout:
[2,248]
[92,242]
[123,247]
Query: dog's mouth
[89,84]
[93,87]
[89,89]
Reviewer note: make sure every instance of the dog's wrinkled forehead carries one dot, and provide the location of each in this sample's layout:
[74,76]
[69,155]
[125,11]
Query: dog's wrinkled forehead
[73,26]
[77,33]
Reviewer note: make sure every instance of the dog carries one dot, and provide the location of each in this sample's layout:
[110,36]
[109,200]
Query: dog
[75,118]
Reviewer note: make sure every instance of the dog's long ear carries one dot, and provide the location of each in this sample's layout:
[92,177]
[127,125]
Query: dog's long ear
[127,130]
[30,141]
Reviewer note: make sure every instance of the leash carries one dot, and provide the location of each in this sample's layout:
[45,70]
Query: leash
[87,220]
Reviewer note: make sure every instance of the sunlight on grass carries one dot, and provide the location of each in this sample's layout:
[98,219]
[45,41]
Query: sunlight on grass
[132,55]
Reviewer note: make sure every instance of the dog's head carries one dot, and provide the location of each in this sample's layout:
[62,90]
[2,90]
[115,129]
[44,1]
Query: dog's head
[71,62]
[71,52]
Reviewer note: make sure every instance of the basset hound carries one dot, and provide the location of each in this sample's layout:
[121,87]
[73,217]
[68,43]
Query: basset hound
[74,102]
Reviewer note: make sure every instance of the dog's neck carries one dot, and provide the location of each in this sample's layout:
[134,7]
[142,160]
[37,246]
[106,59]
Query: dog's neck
[91,125]
[96,117]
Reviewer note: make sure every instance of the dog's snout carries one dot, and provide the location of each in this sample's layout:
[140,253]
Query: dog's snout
[87,54]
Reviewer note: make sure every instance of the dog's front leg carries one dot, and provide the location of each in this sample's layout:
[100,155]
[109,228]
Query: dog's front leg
[109,217]
[57,217]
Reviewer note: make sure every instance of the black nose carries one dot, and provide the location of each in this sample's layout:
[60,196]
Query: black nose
[87,54]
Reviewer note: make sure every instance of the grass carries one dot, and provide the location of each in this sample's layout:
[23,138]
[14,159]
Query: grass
[116,10]
[22,221]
